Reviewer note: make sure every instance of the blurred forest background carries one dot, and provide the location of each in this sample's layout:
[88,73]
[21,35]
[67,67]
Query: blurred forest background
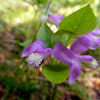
[19,23]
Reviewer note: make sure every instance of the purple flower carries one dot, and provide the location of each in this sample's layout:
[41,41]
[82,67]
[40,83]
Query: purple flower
[55,19]
[43,18]
[65,55]
[52,19]
[85,42]
[36,52]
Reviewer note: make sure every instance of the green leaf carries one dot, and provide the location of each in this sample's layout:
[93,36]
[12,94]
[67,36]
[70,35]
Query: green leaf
[56,73]
[80,22]
[60,36]
[42,1]
[44,34]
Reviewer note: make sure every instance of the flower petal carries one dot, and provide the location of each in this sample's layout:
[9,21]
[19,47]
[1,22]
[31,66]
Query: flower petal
[80,45]
[75,70]
[81,36]
[43,18]
[59,17]
[55,19]
[32,48]
[46,52]
[95,41]
[84,58]
[63,54]
[96,31]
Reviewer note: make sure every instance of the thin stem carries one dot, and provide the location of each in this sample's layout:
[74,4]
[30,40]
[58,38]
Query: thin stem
[48,7]
[49,92]
[6,93]
[54,92]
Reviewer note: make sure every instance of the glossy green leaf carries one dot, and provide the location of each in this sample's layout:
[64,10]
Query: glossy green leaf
[80,22]
[44,34]
[60,36]
[56,73]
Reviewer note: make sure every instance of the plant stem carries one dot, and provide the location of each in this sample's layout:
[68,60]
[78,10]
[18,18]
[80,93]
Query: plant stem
[49,92]
[48,7]
[54,92]
[6,93]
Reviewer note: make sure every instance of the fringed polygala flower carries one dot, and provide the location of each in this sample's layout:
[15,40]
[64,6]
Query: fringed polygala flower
[43,18]
[36,52]
[87,41]
[53,19]
[65,55]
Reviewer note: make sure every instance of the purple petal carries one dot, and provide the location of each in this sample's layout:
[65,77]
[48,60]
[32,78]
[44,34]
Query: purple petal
[95,41]
[80,45]
[59,17]
[75,70]
[96,31]
[37,45]
[55,19]
[98,38]
[84,58]
[43,18]
[81,36]
[63,54]
[46,52]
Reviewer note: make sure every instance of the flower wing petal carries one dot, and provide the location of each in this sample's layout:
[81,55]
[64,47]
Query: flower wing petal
[63,54]
[75,70]
[80,45]
[46,52]
[96,31]
[33,48]
[95,41]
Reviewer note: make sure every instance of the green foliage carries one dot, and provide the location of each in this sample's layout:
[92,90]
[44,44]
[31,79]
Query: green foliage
[79,90]
[60,36]
[80,22]
[42,1]
[13,13]
[56,73]
[44,34]
[19,82]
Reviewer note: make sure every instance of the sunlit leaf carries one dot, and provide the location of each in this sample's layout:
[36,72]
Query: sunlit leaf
[44,34]
[80,22]
[56,73]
